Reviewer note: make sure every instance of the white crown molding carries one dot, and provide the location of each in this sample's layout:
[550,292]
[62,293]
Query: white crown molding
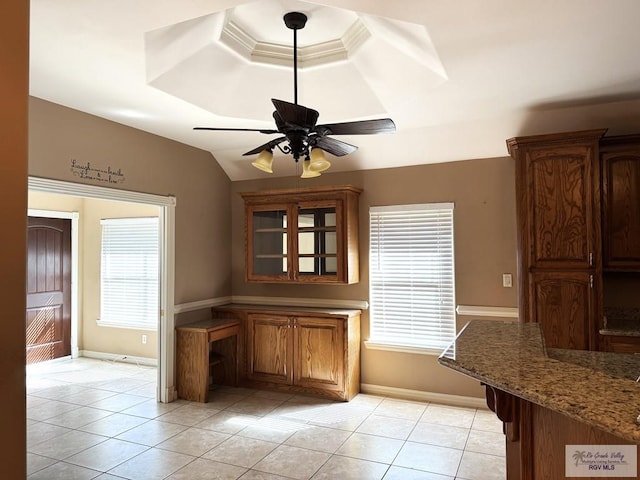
[241,42]
[93,191]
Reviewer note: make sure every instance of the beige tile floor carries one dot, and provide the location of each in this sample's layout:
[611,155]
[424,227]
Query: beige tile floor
[92,419]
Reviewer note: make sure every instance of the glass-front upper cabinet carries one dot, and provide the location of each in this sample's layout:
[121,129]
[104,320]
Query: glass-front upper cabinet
[302,235]
[270,242]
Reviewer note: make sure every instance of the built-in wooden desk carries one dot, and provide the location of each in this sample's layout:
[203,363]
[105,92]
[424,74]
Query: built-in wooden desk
[194,355]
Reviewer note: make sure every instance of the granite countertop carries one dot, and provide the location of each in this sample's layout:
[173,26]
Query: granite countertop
[621,321]
[596,388]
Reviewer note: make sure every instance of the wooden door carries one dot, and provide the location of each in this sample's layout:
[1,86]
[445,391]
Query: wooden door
[564,305]
[319,353]
[562,223]
[48,316]
[269,348]
[621,204]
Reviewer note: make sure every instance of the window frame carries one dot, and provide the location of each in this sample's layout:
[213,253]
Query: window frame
[154,313]
[380,338]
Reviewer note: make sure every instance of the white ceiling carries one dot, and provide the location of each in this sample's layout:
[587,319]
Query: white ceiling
[457,77]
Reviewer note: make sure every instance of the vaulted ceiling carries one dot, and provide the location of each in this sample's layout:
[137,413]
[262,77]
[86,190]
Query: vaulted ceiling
[457,77]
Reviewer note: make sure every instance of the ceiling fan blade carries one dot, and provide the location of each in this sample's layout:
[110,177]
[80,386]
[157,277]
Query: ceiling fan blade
[335,147]
[279,122]
[222,129]
[294,114]
[362,127]
[266,146]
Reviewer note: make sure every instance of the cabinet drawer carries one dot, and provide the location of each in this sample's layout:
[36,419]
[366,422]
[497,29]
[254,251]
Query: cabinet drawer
[621,344]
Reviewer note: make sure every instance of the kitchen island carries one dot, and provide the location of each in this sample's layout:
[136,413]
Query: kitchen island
[548,398]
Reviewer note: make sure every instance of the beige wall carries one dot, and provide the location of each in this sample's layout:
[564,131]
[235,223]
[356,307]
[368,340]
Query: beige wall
[149,164]
[482,190]
[485,247]
[90,211]
[14,88]
[107,339]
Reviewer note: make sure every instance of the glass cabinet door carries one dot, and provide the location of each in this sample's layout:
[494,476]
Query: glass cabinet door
[317,242]
[269,242]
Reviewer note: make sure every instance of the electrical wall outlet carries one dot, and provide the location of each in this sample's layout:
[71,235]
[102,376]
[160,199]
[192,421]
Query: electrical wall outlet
[507,280]
[144,339]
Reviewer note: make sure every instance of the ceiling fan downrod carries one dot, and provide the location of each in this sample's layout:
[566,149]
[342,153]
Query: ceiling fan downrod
[295,21]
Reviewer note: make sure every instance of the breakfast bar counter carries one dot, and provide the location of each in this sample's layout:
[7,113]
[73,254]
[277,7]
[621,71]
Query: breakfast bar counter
[548,398]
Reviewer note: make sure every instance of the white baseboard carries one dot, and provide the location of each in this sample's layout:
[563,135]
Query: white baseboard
[113,357]
[172,394]
[441,398]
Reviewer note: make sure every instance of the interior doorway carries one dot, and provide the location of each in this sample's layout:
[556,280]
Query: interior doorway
[166,208]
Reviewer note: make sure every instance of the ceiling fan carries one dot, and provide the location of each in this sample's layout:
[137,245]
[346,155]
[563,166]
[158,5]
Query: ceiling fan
[296,124]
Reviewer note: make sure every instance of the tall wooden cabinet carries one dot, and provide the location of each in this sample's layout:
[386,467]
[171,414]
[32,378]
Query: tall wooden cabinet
[620,157]
[307,235]
[559,239]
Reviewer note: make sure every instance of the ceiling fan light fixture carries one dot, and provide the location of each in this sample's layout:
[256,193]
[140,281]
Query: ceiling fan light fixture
[307,171]
[318,161]
[264,161]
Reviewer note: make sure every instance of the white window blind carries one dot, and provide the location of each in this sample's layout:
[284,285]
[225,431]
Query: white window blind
[411,276]
[129,274]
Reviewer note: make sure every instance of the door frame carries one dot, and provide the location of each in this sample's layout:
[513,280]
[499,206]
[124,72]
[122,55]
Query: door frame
[74,217]
[166,391]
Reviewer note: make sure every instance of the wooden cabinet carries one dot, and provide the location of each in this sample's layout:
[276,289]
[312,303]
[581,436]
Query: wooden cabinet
[269,348]
[563,303]
[621,343]
[560,206]
[318,345]
[301,351]
[620,158]
[302,235]
[559,240]
[307,350]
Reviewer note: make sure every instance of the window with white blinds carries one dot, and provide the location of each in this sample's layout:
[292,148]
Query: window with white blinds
[129,273]
[411,277]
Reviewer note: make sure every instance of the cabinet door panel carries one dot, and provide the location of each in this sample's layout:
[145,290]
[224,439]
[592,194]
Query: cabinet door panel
[622,210]
[317,245]
[268,249]
[562,302]
[319,347]
[269,348]
[561,209]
